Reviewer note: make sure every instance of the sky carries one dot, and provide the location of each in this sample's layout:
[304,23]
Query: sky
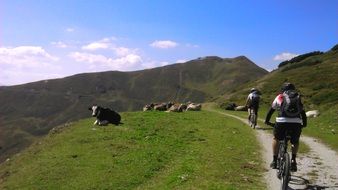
[42,40]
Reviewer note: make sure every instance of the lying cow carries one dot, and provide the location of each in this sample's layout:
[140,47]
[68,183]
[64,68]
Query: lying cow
[241,108]
[148,107]
[104,116]
[175,108]
[194,107]
[161,107]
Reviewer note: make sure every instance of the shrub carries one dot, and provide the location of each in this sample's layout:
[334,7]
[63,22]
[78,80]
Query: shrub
[299,58]
[308,62]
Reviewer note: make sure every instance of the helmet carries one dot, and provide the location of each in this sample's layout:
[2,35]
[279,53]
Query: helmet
[253,89]
[288,86]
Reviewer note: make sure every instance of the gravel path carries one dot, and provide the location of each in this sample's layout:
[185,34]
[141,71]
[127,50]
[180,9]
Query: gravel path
[318,169]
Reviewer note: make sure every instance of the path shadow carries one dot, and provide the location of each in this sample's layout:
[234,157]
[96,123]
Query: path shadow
[300,183]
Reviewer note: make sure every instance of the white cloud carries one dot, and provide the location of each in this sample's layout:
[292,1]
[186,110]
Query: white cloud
[122,51]
[105,43]
[164,63]
[59,44]
[26,56]
[96,45]
[25,64]
[164,44]
[70,29]
[284,56]
[125,63]
[181,61]
[15,76]
[88,57]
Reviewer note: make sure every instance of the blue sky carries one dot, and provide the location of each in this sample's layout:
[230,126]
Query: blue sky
[50,39]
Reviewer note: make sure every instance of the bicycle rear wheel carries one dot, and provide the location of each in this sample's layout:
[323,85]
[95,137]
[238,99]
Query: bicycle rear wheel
[286,175]
[254,117]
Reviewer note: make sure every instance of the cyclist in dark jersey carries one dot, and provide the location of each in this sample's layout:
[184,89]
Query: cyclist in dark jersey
[293,124]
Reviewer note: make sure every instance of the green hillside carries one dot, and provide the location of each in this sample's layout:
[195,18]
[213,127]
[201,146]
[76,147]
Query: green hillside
[31,110]
[152,150]
[316,78]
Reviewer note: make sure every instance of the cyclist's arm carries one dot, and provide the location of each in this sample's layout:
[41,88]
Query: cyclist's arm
[304,118]
[268,115]
[247,101]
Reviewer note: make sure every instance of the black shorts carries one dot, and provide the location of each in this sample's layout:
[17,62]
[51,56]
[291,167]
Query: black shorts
[295,129]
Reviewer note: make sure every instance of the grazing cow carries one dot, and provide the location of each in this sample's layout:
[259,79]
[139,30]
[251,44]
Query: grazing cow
[312,113]
[194,107]
[104,116]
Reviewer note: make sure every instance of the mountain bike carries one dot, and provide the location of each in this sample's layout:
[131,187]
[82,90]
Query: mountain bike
[284,162]
[252,118]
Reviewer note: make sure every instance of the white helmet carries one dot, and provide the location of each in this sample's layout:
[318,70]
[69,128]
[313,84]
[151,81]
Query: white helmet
[253,90]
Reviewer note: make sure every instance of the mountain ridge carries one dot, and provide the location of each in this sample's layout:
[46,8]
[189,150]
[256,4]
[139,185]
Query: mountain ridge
[31,110]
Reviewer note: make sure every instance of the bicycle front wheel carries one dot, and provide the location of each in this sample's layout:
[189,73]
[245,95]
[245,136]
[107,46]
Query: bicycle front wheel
[286,175]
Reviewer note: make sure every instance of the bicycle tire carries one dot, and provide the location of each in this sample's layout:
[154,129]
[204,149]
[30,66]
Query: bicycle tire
[252,119]
[253,122]
[280,160]
[286,172]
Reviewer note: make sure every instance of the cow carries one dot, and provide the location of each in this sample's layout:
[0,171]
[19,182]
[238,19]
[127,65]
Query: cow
[231,106]
[194,107]
[312,113]
[175,108]
[148,107]
[183,107]
[160,107]
[104,116]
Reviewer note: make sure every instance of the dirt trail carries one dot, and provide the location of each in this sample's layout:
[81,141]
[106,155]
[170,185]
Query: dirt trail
[318,169]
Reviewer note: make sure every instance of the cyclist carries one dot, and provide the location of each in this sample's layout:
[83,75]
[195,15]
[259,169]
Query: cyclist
[252,102]
[291,117]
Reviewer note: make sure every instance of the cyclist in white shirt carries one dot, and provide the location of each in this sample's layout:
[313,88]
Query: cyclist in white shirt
[291,117]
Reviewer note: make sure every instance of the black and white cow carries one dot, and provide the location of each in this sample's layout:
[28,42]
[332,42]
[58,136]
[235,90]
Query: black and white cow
[104,116]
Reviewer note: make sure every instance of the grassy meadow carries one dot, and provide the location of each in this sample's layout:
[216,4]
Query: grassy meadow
[151,150]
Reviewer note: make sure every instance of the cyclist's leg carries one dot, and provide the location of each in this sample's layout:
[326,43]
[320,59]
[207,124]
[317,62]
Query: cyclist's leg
[256,113]
[249,112]
[278,133]
[295,130]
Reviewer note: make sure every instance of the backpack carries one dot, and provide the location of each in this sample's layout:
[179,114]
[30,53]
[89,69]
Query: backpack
[254,100]
[291,105]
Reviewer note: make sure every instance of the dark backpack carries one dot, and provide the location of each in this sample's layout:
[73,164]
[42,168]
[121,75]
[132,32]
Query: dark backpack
[254,100]
[291,105]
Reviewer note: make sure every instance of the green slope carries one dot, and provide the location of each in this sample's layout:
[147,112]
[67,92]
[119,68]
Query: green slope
[152,150]
[316,78]
[31,110]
